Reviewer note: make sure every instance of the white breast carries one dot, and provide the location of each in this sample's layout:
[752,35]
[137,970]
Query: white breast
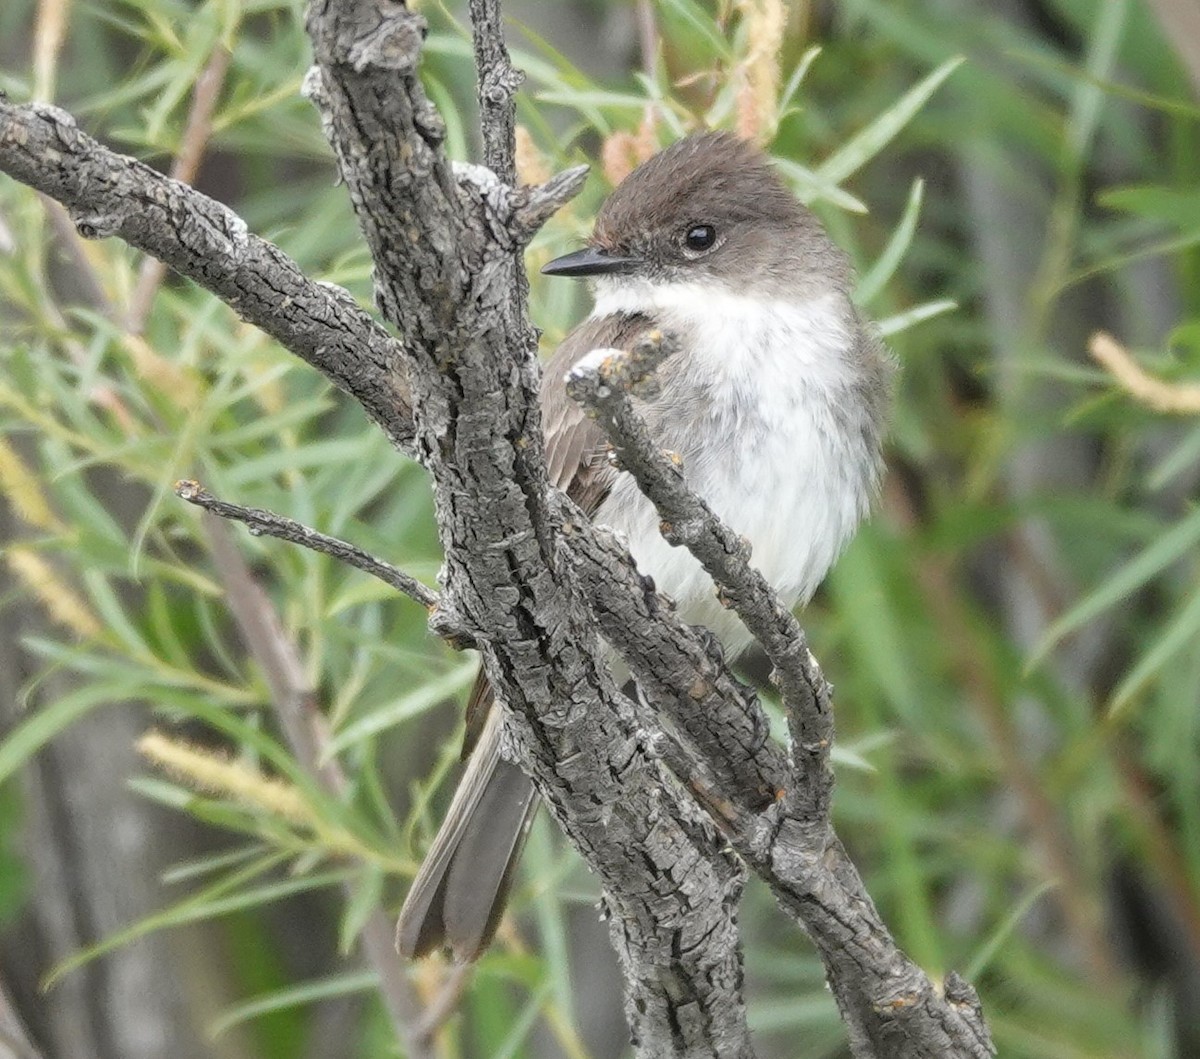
[777,462]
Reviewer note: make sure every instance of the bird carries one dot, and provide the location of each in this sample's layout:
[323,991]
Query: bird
[776,401]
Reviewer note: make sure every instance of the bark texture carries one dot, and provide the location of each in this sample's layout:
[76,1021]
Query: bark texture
[670,798]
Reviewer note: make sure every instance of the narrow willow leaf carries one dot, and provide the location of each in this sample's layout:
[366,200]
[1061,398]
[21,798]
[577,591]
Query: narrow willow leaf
[797,78]
[702,23]
[192,869]
[416,702]
[796,1012]
[1173,544]
[851,759]
[893,325]
[866,144]
[366,894]
[48,721]
[295,996]
[988,950]
[187,911]
[1183,630]
[1184,456]
[552,922]
[812,187]
[885,267]
[595,98]
[514,1043]
[1108,28]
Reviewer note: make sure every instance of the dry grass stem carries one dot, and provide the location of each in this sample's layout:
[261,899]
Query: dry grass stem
[48,37]
[21,488]
[196,134]
[61,601]
[531,165]
[758,75]
[1173,398]
[214,773]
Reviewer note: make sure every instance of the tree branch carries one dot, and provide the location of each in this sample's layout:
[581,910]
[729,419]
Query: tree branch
[265,522]
[112,195]
[496,90]
[296,709]
[526,576]
[892,1009]
[447,257]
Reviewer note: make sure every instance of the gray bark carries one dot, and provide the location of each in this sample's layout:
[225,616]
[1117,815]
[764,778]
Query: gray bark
[654,793]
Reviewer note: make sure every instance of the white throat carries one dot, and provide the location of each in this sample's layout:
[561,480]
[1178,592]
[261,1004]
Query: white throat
[805,334]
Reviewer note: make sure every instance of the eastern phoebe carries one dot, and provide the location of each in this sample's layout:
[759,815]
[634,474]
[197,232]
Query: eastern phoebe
[776,402]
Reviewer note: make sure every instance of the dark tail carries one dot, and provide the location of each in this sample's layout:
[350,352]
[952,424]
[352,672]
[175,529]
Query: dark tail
[459,894]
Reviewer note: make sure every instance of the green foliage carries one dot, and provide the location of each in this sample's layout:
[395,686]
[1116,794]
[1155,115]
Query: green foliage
[1015,639]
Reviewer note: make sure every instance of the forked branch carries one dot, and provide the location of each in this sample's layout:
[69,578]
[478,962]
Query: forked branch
[526,577]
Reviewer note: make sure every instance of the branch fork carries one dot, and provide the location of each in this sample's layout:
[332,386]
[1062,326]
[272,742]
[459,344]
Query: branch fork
[527,578]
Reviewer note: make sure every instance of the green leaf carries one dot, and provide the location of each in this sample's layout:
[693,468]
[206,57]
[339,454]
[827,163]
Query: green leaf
[987,951]
[1179,207]
[885,267]
[296,996]
[893,325]
[1108,27]
[366,896]
[595,98]
[812,187]
[415,702]
[798,75]
[702,24]
[552,921]
[866,144]
[1182,458]
[513,1044]
[1173,544]
[1183,630]
[219,899]
[198,866]
[48,721]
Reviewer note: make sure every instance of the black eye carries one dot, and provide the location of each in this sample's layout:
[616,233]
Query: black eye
[700,237]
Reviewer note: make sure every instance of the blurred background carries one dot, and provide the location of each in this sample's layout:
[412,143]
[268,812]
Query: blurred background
[1014,639]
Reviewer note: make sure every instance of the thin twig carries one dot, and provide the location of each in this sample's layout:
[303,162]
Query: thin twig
[296,708]
[266,522]
[48,37]
[194,142]
[648,38]
[533,206]
[498,84]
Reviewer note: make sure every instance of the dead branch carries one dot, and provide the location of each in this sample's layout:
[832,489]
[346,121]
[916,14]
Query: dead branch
[108,194]
[653,792]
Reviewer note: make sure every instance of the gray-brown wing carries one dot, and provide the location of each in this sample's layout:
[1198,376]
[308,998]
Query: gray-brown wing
[575,446]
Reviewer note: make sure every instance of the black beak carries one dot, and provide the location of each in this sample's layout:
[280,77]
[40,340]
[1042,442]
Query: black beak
[591,261]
